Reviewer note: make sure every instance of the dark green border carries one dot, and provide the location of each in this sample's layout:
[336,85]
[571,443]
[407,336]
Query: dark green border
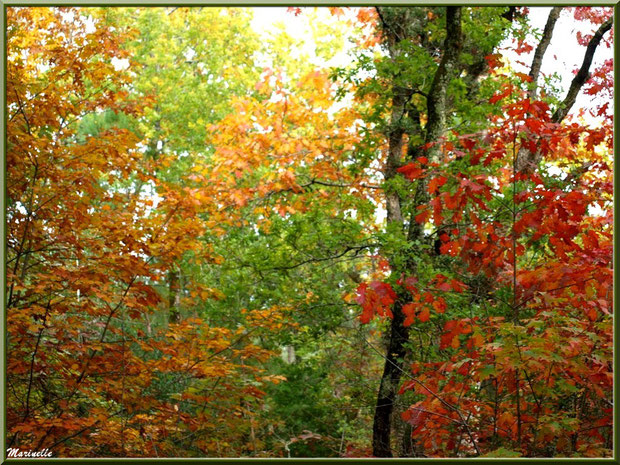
[160,3]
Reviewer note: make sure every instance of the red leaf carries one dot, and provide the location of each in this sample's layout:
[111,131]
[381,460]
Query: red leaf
[458,286]
[411,171]
[494,61]
[437,208]
[440,305]
[409,283]
[436,183]
[376,298]
[505,93]
[295,10]
[409,312]
[524,77]
[468,143]
[424,314]
[414,416]
[423,216]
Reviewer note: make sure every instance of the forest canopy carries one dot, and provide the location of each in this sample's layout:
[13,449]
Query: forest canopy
[368,232]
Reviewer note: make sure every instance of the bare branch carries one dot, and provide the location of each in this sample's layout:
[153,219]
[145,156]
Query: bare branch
[329,184]
[542,47]
[583,74]
[356,248]
[526,160]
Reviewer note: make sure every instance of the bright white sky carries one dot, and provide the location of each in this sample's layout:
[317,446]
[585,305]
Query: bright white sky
[563,56]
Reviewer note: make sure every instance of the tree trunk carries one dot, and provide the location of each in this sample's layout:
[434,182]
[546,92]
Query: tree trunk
[398,334]
[436,105]
[382,426]
[174,296]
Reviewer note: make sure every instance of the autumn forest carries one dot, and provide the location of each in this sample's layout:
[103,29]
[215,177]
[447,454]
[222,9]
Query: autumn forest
[351,232]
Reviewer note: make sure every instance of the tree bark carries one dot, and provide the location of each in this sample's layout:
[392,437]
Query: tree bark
[436,106]
[436,102]
[545,40]
[382,426]
[398,334]
[174,296]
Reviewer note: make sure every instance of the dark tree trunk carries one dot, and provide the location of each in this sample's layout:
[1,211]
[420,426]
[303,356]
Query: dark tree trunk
[174,296]
[397,25]
[392,370]
[398,334]
[436,105]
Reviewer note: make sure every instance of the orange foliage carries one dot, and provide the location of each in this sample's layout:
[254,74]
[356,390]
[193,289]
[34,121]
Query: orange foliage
[86,248]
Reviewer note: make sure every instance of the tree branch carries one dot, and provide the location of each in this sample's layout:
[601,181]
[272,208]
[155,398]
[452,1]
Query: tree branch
[330,184]
[436,104]
[542,47]
[385,25]
[526,160]
[437,93]
[583,74]
[357,249]
[510,13]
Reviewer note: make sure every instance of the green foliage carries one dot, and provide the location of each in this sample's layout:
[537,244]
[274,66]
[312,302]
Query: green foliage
[221,216]
[189,62]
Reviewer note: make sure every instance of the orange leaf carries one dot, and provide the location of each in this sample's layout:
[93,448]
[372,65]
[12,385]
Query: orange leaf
[424,314]
[423,216]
